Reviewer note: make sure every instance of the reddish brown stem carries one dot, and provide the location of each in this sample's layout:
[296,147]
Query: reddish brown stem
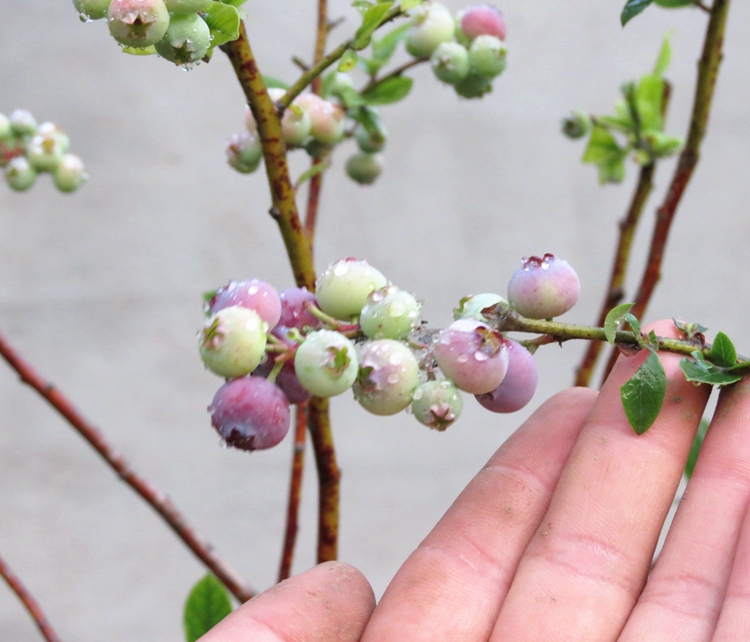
[32,606]
[329,476]
[708,70]
[615,290]
[295,492]
[153,497]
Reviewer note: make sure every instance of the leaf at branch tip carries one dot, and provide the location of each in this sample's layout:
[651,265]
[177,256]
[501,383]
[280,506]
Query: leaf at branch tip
[371,20]
[614,317]
[634,324]
[665,55]
[207,604]
[696,447]
[389,91]
[723,352]
[384,48]
[648,99]
[223,21]
[700,371]
[643,395]
[632,9]
[348,60]
[603,151]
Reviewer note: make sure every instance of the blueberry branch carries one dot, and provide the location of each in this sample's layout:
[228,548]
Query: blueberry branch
[398,71]
[27,599]
[152,496]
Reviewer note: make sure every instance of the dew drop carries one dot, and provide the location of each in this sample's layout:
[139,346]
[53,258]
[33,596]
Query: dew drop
[253,289]
[396,359]
[418,394]
[481,356]
[394,378]
[340,269]
[397,309]
[462,358]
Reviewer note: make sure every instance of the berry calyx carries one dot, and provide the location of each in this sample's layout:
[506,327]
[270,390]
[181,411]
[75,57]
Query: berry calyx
[364,168]
[544,287]
[472,306]
[326,363]
[233,341]
[390,313]
[343,287]
[519,384]
[450,62]
[472,355]
[19,174]
[388,376]
[250,413]
[487,56]
[138,23]
[22,123]
[437,404]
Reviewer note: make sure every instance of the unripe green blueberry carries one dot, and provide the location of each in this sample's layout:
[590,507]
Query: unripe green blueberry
[5,129]
[371,142]
[326,363]
[52,130]
[577,125]
[296,123]
[450,62]
[233,341]
[187,39]
[390,313]
[244,152]
[138,23]
[460,36]
[69,174]
[343,287]
[473,86]
[327,120]
[92,9]
[487,56]
[544,287]
[338,83]
[19,174]
[471,307]
[388,376]
[45,152]
[22,123]
[437,404]
[431,24]
[364,168]
[184,7]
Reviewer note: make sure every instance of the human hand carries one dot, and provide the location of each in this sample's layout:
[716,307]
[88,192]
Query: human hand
[553,540]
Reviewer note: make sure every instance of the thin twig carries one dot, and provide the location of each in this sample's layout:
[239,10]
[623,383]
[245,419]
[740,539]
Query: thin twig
[32,606]
[708,69]
[329,476]
[376,82]
[295,492]
[153,497]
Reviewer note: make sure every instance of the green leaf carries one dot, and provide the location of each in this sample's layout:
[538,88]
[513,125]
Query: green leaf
[696,447]
[632,9]
[348,60]
[389,91]
[234,3]
[350,97]
[410,4]
[634,324]
[362,5]
[675,4]
[665,56]
[313,170]
[369,119]
[207,604]
[723,352]
[662,144]
[613,319]
[648,100]
[223,20]
[701,372]
[135,51]
[642,396]
[272,82]
[603,150]
[371,20]
[383,49]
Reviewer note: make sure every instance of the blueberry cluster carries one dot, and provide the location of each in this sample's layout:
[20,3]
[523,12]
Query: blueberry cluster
[26,149]
[174,29]
[361,332]
[467,51]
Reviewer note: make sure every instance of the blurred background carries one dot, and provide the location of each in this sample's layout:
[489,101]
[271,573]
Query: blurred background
[101,290]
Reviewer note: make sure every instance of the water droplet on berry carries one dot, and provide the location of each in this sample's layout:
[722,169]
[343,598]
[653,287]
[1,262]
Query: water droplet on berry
[481,356]
[462,358]
[341,269]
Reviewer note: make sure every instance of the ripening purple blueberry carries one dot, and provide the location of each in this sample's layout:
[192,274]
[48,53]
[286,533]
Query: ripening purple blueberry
[250,413]
[343,287]
[519,384]
[472,355]
[544,287]
[253,294]
[437,404]
[138,23]
[388,376]
[295,312]
[483,20]
[327,120]
[286,379]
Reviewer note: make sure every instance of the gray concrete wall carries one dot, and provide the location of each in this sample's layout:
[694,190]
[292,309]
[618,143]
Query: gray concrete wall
[101,290]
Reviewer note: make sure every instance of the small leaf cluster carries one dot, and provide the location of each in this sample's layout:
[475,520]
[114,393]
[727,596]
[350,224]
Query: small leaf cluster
[636,128]
[184,32]
[633,7]
[28,149]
